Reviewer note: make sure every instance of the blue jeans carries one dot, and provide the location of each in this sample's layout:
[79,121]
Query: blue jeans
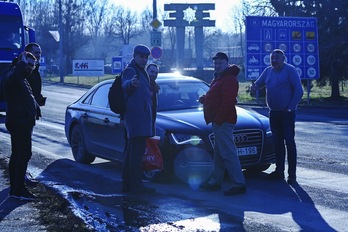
[225,156]
[283,130]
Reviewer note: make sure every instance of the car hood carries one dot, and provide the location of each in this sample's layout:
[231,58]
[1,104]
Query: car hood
[192,121]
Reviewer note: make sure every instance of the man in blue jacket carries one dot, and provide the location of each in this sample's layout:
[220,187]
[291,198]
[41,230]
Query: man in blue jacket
[137,119]
[284,92]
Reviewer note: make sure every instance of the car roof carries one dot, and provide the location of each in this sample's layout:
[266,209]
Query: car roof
[163,77]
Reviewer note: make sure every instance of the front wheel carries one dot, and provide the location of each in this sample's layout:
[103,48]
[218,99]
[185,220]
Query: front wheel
[193,165]
[78,147]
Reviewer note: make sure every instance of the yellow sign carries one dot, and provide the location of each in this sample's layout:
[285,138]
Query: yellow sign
[156,23]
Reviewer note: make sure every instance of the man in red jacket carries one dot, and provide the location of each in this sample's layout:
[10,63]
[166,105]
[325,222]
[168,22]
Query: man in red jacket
[219,105]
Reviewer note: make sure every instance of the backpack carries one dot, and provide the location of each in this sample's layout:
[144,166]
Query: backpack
[116,99]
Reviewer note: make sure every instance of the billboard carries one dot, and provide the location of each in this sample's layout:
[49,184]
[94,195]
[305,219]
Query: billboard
[296,36]
[88,67]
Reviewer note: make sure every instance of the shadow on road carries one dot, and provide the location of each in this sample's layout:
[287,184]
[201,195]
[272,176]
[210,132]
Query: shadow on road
[95,194]
[7,204]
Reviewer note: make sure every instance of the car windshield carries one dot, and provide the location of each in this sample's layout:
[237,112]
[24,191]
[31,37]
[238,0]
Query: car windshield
[180,95]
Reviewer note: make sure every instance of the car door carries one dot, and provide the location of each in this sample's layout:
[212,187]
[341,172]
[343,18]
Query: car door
[94,124]
[114,140]
[114,135]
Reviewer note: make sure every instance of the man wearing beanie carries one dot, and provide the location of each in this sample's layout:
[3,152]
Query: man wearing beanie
[137,119]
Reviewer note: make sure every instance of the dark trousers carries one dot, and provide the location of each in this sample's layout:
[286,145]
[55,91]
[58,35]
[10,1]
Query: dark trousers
[132,165]
[21,154]
[283,130]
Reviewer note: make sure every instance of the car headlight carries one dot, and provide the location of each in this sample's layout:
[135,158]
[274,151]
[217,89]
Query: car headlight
[181,139]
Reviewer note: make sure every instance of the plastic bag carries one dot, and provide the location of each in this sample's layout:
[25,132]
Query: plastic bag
[152,159]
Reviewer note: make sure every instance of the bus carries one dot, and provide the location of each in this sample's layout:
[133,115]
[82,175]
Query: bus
[14,35]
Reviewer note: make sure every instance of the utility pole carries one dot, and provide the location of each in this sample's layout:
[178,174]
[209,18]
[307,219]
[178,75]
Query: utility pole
[154,13]
[61,63]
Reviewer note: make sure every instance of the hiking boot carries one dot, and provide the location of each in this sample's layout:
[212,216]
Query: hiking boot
[210,187]
[25,195]
[235,190]
[275,176]
[291,180]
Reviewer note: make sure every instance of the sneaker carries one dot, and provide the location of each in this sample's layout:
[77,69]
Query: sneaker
[275,176]
[30,180]
[24,195]
[235,190]
[210,187]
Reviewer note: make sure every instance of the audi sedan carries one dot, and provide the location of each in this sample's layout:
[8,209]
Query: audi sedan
[186,142]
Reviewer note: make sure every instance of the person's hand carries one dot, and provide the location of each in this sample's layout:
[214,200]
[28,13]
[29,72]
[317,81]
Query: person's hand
[201,99]
[135,81]
[23,57]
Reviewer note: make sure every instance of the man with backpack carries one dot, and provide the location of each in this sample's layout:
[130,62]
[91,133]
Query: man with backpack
[137,119]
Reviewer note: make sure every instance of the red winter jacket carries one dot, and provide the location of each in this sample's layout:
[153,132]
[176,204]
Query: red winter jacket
[220,101]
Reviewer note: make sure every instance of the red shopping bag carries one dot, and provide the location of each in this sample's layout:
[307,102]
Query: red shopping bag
[152,159]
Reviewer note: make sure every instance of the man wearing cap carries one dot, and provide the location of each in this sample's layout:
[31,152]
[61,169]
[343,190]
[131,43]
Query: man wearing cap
[284,92]
[219,109]
[137,119]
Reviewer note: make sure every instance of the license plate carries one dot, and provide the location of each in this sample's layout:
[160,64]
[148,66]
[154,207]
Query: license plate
[246,151]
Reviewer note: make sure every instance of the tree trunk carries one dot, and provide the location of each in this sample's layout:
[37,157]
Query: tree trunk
[335,86]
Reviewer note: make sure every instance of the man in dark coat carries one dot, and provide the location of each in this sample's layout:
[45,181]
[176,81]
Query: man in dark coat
[137,119]
[21,113]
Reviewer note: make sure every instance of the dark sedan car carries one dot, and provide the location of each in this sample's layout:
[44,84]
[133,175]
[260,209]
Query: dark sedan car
[93,130]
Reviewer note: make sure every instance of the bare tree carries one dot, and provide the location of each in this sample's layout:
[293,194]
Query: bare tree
[97,12]
[74,26]
[126,25]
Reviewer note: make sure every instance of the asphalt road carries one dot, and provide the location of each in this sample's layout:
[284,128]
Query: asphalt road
[318,203]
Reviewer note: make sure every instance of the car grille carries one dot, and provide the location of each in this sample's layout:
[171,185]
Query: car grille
[246,138]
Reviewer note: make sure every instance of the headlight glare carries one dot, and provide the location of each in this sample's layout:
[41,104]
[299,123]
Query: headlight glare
[186,139]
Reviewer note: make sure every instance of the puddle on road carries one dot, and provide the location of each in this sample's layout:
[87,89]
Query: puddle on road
[129,213]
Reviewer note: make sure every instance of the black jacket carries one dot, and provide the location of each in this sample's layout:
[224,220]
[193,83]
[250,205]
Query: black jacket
[36,84]
[21,105]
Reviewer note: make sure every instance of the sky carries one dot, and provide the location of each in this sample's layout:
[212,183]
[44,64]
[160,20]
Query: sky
[221,14]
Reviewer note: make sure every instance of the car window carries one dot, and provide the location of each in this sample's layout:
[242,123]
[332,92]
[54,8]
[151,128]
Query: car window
[100,96]
[180,95]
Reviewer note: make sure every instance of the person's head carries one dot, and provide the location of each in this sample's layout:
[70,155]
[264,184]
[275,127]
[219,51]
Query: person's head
[277,59]
[35,49]
[30,66]
[152,70]
[220,62]
[141,55]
